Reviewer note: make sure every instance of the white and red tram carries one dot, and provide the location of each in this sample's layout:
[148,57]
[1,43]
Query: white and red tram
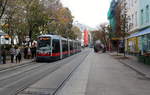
[54,47]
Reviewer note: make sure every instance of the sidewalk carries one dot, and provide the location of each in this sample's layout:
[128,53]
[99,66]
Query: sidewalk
[132,62]
[100,74]
[9,64]
[78,82]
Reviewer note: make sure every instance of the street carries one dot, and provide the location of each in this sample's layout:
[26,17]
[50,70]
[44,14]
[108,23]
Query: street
[74,47]
[13,81]
[86,73]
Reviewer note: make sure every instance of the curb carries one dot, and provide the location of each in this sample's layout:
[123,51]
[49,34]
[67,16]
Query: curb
[132,67]
[135,69]
[5,68]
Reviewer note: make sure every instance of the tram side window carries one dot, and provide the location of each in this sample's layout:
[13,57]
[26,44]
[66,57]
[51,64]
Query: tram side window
[75,45]
[56,46]
[71,45]
[79,45]
[64,46]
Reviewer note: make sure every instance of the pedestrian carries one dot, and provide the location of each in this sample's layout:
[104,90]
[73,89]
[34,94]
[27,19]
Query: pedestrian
[104,49]
[25,52]
[95,48]
[3,54]
[29,52]
[12,53]
[33,51]
[18,55]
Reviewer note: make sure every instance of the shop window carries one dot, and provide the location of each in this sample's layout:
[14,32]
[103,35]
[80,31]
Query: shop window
[132,46]
[148,42]
[144,43]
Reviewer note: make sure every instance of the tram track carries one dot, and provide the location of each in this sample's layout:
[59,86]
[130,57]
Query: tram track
[55,83]
[21,80]
[68,77]
[16,67]
[19,73]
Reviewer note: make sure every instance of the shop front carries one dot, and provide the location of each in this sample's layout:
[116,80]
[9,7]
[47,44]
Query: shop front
[133,45]
[140,42]
[145,43]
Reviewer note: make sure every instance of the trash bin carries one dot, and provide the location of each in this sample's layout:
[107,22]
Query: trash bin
[147,60]
[141,58]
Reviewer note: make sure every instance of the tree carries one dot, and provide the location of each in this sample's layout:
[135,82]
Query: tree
[65,20]
[124,23]
[34,16]
[24,18]
[13,18]
[3,4]
[75,33]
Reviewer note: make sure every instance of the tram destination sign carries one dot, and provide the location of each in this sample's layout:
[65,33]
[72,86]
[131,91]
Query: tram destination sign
[44,38]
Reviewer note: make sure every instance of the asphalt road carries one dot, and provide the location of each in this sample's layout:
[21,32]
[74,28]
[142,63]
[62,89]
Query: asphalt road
[19,80]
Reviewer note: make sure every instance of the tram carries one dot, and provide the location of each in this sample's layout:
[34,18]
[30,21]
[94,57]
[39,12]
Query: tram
[54,47]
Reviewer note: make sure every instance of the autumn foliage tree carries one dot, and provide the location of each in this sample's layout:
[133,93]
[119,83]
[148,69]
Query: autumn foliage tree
[75,33]
[122,22]
[32,17]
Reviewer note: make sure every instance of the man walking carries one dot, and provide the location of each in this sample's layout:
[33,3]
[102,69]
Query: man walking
[12,53]
[4,55]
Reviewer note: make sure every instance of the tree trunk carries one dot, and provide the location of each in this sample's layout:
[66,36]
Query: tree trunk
[124,46]
[3,8]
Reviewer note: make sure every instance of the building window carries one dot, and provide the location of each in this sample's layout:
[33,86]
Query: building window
[142,17]
[136,23]
[147,13]
[132,21]
[132,3]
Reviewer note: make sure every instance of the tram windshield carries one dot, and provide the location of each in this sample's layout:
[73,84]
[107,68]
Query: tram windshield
[44,43]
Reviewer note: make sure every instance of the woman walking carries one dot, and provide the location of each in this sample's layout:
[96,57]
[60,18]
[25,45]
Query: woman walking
[12,53]
[18,55]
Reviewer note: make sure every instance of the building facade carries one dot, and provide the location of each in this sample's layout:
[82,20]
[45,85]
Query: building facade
[144,22]
[113,17]
[132,43]
[139,25]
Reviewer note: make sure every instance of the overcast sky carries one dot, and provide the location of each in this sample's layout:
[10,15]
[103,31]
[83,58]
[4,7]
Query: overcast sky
[89,12]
